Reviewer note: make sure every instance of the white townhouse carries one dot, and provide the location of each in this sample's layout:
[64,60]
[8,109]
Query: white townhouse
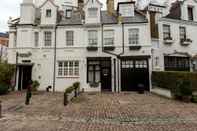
[174,35]
[104,50]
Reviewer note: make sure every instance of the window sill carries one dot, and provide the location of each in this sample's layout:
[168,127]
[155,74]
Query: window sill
[136,47]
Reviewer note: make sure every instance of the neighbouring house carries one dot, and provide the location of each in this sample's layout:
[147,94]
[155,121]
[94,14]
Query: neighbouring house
[105,50]
[173,32]
[4,40]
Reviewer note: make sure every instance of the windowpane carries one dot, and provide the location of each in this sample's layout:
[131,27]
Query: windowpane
[36,37]
[92,12]
[134,36]
[47,36]
[69,38]
[48,13]
[182,33]
[68,68]
[166,31]
[108,37]
[92,37]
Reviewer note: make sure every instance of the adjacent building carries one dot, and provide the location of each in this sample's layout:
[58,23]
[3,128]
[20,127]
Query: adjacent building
[4,40]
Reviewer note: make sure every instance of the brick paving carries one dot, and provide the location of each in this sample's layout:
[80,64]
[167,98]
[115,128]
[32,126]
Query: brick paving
[97,112]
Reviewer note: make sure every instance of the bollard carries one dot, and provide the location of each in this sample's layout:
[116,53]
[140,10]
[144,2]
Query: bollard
[0,109]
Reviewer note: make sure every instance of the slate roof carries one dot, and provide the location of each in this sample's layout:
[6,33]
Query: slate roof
[76,19]
[175,11]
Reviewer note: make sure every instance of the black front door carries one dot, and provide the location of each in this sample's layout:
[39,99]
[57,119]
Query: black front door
[99,70]
[133,73]
[25,73]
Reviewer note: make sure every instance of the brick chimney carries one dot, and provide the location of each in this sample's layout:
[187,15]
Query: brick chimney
[110,7]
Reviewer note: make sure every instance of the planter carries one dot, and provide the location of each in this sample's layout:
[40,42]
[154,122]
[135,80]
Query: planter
[94,85]
[92,48]
[186,42]
[135,47]
[109,48]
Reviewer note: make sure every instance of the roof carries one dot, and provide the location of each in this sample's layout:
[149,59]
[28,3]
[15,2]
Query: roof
[109,19]
[5,35]
[49,1]
[76,19]
[175,11]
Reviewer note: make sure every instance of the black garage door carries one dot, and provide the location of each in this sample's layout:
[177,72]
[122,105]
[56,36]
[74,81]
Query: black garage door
[133,73]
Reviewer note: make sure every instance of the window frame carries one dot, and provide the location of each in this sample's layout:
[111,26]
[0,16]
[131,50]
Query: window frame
[68,68]
[92,12]
[190,16]
[67,12]
[166,32]
[134,36]
[36,39]
[182,34]
[94,40]
[48,13]
[69,38]
[47,38]
[109,38]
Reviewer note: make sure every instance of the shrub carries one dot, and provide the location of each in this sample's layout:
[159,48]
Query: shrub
[182,89]
[76,85]
[6,73]
[35,85]
[3,89]
[70,89]
[169,79]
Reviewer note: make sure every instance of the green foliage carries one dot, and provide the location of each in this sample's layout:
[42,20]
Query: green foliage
[6,73]
[70,89]
[183,88]
[169,79]
[76,85]
[3,89]
[194,99]
[35,85]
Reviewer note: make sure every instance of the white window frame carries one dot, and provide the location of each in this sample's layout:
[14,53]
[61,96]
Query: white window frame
[36,39]
[68,68]
[47,38]
[92,37]
[48,13]
[134,36]
[108,37]
[69,38]
[92,12]
[166,31]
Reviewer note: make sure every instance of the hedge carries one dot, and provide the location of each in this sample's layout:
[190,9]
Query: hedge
[169,79]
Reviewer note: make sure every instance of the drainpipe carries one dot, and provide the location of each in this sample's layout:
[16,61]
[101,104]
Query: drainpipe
[55,54]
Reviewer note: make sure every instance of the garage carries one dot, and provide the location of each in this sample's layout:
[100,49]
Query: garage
[134,71]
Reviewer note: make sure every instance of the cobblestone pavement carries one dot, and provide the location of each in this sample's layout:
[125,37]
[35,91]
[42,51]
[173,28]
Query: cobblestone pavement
[97,112]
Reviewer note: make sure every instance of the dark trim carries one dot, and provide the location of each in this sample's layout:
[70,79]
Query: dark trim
[157,5]
[98,58]
[109,48]
[135,47]
[92,48]
[134,57]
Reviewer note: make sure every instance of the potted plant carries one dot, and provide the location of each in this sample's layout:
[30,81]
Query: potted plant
[35,85]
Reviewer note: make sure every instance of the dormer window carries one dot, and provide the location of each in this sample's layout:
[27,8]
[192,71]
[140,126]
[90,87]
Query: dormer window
[68,13]
[190,13]
[182,33]
[92,12]
[48,13]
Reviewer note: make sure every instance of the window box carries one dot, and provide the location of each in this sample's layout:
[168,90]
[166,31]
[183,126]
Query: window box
[94,84]
[92,48]
[168,40]
[109,48]
[136,47]
[186,42]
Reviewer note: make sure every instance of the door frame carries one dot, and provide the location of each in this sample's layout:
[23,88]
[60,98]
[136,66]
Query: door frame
[135,58]
[100,60]
[20,75]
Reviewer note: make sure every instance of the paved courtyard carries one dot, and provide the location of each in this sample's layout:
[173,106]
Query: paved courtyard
[97,112]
